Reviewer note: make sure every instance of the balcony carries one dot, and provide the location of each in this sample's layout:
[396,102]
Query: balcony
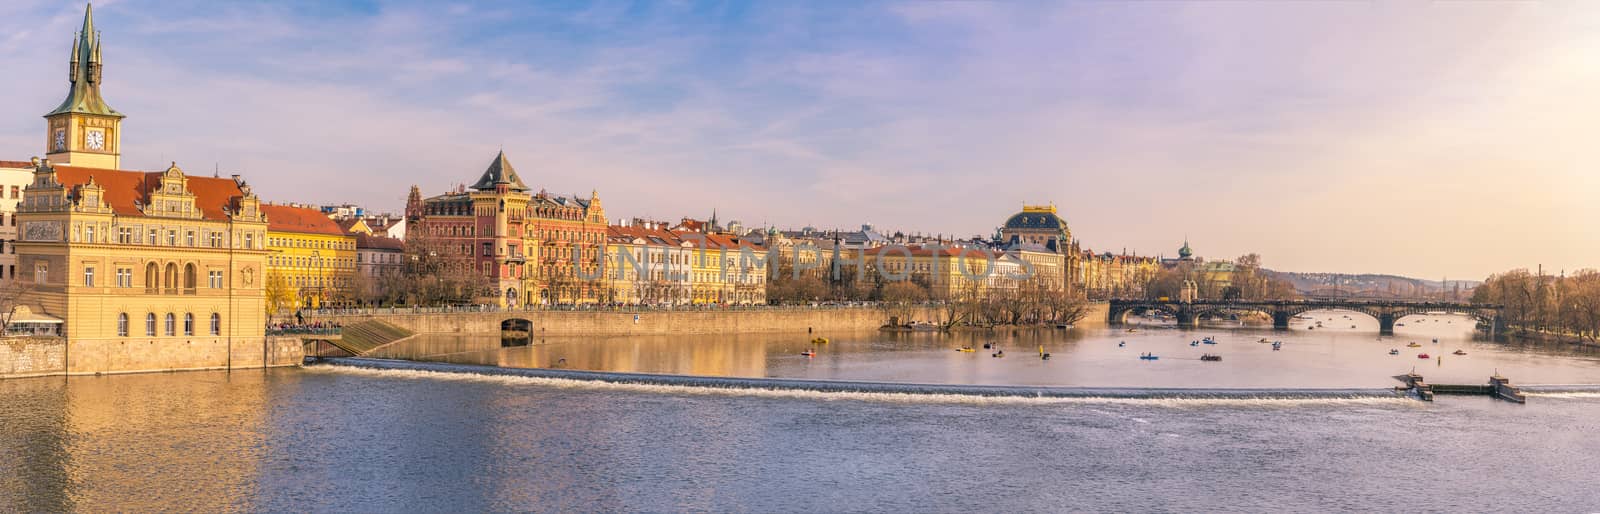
[517,258]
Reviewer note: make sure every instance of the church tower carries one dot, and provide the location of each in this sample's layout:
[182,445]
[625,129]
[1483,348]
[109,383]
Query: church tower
[84,131]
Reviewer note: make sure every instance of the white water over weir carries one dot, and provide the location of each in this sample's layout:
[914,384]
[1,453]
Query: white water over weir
[685,383]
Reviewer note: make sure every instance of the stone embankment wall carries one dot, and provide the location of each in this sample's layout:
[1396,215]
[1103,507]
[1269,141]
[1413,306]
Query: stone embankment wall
[609,323]
[31,357]
[621,323]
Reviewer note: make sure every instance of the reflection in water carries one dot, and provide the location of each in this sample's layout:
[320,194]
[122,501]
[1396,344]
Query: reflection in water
[1332,356]
[76,442]
[330,439]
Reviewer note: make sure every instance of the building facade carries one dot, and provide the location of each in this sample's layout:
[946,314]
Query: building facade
[311,263]
[14,176]
[163,258]
[531,248]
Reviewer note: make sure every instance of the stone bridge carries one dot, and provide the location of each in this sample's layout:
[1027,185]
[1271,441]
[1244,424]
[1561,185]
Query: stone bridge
[1387,312]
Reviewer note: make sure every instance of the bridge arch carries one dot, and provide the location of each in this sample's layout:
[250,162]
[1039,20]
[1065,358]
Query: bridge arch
[516,332]
[1118,313]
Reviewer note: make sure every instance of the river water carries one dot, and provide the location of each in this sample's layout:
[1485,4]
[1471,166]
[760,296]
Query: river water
[335,438]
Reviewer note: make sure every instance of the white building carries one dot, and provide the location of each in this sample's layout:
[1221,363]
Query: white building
[14,176]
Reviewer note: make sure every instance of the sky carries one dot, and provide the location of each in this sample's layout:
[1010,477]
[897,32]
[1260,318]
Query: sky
[1429,139]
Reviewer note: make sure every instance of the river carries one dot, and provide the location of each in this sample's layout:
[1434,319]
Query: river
[334,438]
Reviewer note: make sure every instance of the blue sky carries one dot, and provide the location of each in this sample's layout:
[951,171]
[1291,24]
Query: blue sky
[1423,138]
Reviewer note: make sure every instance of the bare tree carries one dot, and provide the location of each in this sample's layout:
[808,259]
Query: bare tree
[12,294]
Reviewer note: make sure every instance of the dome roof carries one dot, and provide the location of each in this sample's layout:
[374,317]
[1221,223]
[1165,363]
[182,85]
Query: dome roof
[1185,252]
[1036,220]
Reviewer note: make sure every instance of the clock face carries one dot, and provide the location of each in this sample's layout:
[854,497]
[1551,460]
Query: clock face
[96,140]
[61,139]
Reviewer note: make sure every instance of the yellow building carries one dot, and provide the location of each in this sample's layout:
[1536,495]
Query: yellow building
[139,267]
[311,261]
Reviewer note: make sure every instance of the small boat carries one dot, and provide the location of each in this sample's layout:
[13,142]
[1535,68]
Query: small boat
[987,345]
[820,340]
[1399,324]
[998,354]
[1121,344]
[809,353]
[1459,352]
[1352,326]
[1210,357]
[1394,351]
[1422,356]
[966,349]
[1063,326]
[1413,344]
[1132,330]
[1148,357]
[1263,340]
[1436,341]
[1194,343]
[1209,341]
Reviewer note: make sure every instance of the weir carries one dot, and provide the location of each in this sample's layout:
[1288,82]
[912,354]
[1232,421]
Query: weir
[839,386]
[1498,387]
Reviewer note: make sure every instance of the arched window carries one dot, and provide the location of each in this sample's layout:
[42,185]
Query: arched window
[188,323]
[152,278]
[172,324]
[189,278]
[150,324]
[171,283]
[216,324]
[122,324]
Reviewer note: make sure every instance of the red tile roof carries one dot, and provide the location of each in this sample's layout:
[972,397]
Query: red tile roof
[16,164]
[126,190]
[364,241]
[283,218]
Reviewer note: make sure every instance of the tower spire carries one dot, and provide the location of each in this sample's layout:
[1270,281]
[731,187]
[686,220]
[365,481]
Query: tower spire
[84,73]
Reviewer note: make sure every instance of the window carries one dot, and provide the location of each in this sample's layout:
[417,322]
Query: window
[124,277]
[172,237]
[16,193]
[249,240]
[124,235]
[214,279]
[189,238]
[41,272]
[88,276]
[122,325]
[172,324]
[152,240]
[150,324]
[188,323]
[88,234]
[216,240]
[216,324]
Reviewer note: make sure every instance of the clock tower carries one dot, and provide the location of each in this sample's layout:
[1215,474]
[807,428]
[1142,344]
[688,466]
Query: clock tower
[84,131]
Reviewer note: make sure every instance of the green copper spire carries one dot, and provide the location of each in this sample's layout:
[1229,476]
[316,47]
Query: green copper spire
[85,73]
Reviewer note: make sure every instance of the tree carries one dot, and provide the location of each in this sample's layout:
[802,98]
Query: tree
[12,295]
[898,299]
[280,296]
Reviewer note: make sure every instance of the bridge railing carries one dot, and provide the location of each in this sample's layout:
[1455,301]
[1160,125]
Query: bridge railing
[289,330]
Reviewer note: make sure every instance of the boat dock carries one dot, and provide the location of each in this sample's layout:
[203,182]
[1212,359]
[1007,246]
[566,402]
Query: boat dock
[1498,387]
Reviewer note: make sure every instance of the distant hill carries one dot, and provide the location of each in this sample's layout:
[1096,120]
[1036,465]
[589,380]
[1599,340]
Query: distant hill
[1375,286]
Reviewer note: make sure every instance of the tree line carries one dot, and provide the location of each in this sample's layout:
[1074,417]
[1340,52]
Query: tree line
[1537,302]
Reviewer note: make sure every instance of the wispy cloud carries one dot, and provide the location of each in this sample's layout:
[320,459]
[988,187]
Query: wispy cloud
[1417,138]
